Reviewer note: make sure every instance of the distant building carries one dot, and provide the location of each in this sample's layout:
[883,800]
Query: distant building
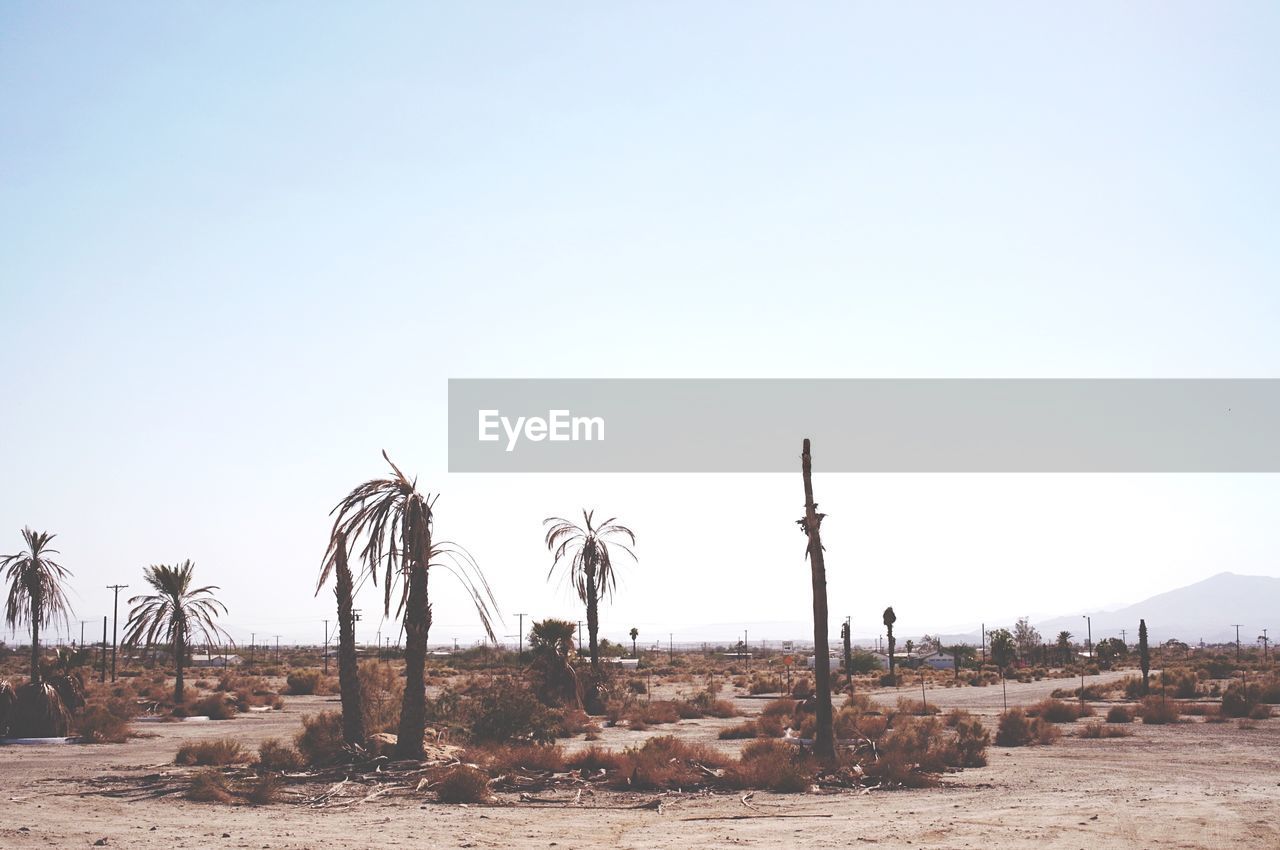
[216,661]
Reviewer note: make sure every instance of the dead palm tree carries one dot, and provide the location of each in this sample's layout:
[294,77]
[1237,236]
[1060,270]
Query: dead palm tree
[811,525]
[173,615]
[36,598]
[335,563]
[889,619]
[395,522]
[584,550]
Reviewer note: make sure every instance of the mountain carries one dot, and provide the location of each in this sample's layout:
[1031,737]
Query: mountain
[1204,611]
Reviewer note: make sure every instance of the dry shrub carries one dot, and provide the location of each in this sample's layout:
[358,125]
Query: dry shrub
[664,762]
[1260,712]
[273,754]
[774,766]
[747,729]
[1102,730]
[221,751]
[320,741]
[915,707]
[504,712]
[264,790]
[1120,714]
[106,723]
[303,683]
[770,725]
[955,716]
[969,749]
[1015,729]
[463,784]
[214,706]
[780,708]
[502,757]
[911,754]
[1056,711]
[1156,711]
[381,695]
[572,721]
[594,759]
[209,786]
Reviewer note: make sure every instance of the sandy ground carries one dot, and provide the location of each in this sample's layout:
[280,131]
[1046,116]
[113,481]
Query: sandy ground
[1190,785]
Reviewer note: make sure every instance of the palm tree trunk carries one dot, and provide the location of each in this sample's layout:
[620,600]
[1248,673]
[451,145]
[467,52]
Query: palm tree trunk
[417,623]
[593,621]
[824,738]
[892,678]
[348,671]
[180,656]
[35,637]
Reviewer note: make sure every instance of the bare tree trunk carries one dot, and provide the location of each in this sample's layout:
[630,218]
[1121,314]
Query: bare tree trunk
[824,743]
[417,623]
[348,671]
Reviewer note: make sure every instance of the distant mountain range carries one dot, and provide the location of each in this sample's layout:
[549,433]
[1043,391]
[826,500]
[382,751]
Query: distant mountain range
[1204,611]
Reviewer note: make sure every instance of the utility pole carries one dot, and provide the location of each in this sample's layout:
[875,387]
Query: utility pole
[82,622]
[984,643]
[1088,644]
[1237,625]
[103,677]
[579,638]
[671,652]
[326,647]
[114,630]
[1265,641]
[277,649]
[520,655]
[1124,638]
[253,639]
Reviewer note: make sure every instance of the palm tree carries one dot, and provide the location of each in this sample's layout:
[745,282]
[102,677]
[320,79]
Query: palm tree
[395,521]
[335,562]
[1064,646]
[36,596]
[889,619]
[1144,656]
[585,552]
[555,680]
[635,633]
[174,614]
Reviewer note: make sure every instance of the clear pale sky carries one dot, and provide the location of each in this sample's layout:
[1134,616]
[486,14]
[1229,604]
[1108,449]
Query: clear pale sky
[243,247]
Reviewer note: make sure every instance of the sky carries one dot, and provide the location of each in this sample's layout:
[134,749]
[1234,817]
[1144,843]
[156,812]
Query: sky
[244,246]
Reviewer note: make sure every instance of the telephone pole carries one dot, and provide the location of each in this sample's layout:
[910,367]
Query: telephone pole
[520,656]
[1237,625]
[103,677]
[114,629]
[326,647]
[1263,638]
[277,637]
[1124,638]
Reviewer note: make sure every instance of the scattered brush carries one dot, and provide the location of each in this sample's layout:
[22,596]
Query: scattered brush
[264,790]
[1156,711]
[1015,729]
[214,707]
[1057,711]
[303,683]
[1120,714]
[1103,730]
[106,723]
[463,784]
[773,765]
[746,729]
[273,754]
[222,751]
[209,786]
[505,757]
[320,741]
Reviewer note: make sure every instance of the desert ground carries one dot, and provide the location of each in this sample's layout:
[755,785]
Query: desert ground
[1186,785]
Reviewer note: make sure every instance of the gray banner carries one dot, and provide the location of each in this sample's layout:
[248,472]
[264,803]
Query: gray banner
[982,425]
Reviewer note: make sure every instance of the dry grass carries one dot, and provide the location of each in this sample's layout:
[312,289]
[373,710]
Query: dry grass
[773,765]
[1103,730]
[106,723]
[503,757]
[1057,711]
[320,741]
[222,751]
[214,706]
[1120,714]
[1015,729]
[1156,711]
